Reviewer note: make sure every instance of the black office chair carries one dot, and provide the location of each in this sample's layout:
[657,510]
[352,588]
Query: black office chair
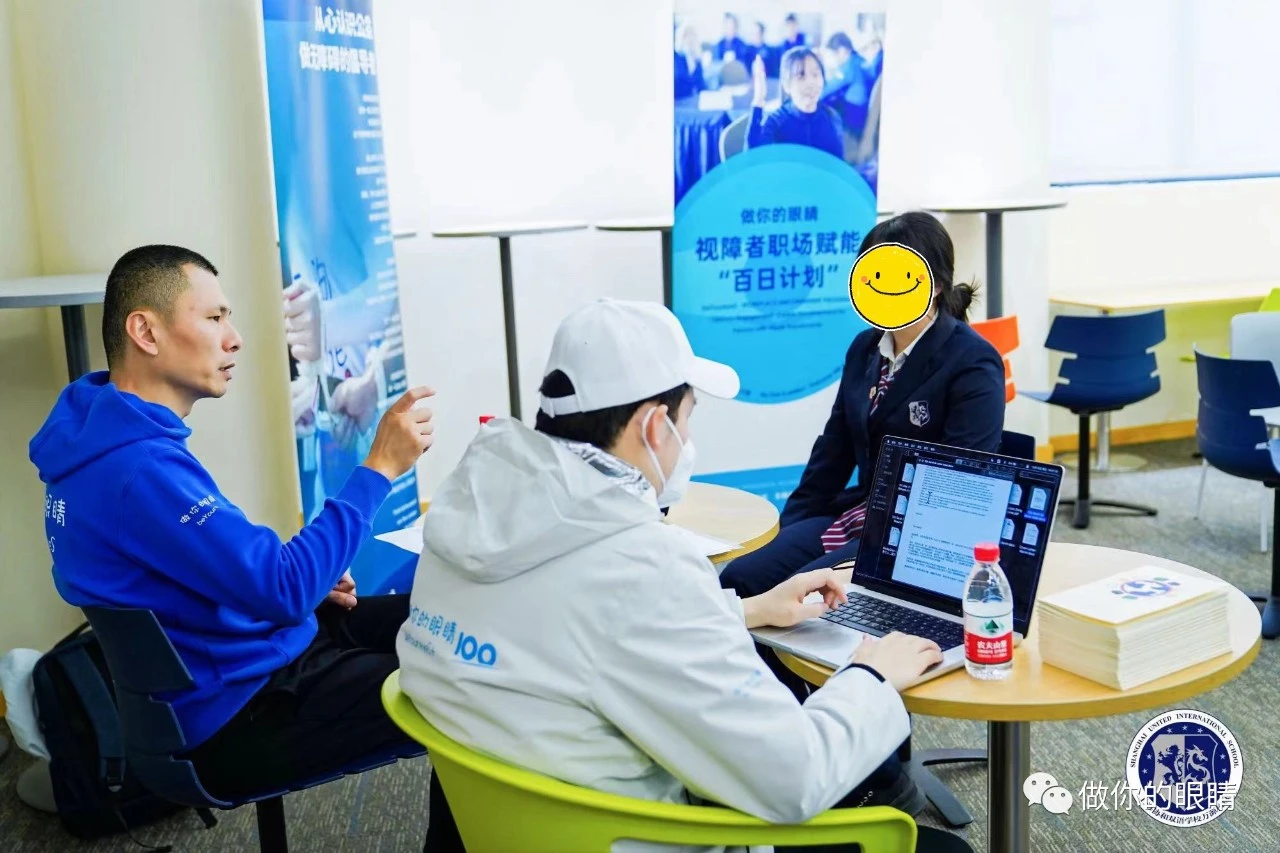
[917,764]
[144,665]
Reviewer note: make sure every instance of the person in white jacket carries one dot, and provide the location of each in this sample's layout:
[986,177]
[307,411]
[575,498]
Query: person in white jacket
[559,624]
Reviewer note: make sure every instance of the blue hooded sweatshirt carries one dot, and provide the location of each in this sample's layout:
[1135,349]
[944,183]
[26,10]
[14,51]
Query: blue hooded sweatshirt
[134,520]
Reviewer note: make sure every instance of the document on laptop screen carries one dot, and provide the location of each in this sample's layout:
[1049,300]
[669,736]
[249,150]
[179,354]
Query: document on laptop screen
[947,513]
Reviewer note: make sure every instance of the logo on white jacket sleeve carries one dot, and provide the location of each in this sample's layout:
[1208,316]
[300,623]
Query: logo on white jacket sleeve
[467,648]
[471,650]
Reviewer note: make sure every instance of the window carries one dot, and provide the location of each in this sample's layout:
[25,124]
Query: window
[1163,90]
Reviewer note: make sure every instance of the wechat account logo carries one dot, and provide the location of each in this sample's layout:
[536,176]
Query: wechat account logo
[1043,789]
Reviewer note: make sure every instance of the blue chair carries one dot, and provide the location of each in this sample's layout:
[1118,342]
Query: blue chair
[917,764]
[1113,367]
[1236,442]
[144,666]
[1017,444]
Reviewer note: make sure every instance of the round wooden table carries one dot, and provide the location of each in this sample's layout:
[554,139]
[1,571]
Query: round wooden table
[729,514]
[1037,691]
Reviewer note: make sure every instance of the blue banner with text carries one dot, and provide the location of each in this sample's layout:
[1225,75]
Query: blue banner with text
[340,299]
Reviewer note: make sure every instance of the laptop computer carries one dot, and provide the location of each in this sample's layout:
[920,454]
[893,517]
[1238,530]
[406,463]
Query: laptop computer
[928,506]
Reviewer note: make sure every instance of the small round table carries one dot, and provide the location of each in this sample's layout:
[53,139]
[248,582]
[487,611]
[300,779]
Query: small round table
[729,514]
[70,293]
[1037,692]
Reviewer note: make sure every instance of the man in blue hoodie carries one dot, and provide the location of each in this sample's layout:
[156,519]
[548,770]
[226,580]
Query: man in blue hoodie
[287,666]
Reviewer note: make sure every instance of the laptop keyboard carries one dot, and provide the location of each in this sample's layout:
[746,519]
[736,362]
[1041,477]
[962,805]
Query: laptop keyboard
[864,613]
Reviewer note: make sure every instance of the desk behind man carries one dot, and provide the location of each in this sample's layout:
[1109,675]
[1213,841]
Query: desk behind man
[286,664]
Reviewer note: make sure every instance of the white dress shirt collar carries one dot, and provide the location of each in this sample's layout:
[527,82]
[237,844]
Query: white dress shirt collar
[886,347]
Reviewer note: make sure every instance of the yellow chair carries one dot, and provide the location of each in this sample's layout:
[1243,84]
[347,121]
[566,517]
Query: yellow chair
[503,809]
[1271,302]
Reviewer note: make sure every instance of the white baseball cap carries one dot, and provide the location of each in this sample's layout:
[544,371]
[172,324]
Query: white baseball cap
[617,352]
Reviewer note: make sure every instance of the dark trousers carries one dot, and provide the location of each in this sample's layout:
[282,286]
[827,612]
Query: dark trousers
[796,548]
[888,785]
[320,713]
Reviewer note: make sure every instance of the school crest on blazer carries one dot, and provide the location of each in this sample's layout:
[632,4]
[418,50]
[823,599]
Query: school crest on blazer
[918,412]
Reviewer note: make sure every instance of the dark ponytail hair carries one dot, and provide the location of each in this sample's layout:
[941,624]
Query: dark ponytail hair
[922,232]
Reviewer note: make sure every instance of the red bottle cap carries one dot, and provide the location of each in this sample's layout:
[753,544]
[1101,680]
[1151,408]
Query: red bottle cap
[484,419]
[986,552]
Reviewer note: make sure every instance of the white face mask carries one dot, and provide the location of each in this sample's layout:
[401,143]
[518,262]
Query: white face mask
[676,483]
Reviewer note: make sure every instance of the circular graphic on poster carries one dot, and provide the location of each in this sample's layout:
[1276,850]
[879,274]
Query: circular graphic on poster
[762,248]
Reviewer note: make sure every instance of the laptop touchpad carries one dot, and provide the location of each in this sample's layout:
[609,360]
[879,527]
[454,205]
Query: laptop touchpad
[823,642]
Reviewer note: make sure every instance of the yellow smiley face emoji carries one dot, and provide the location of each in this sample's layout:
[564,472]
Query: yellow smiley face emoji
[890,286]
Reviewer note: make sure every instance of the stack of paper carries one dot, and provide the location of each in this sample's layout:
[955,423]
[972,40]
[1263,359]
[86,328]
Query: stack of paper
[1135,626]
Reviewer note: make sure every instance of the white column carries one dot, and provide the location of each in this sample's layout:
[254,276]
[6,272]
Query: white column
[966,118]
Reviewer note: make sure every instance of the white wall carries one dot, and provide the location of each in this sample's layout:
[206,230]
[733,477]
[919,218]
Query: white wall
[966,120]
[144,123]
[494,112]
[563,111]
[562,139]
[30,372]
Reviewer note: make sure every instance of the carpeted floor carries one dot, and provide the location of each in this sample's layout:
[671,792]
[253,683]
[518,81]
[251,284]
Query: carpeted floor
[385,810]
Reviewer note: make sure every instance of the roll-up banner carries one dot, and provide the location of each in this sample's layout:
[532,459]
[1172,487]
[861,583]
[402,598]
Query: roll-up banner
[340,300]
[777,115]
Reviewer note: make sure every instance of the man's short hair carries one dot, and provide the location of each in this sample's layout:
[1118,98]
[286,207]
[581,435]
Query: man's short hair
[146,277]
[601,427]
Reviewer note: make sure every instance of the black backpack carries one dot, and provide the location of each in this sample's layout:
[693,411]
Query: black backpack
[94,791]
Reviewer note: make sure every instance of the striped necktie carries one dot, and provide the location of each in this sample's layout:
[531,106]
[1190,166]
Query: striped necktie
[849,525]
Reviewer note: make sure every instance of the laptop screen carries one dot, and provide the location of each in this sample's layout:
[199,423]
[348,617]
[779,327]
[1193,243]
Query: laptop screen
[930,504]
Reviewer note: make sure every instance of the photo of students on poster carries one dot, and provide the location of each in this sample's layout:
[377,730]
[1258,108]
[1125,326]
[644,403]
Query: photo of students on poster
[805,78]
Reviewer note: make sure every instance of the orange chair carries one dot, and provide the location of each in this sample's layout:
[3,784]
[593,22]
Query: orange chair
[1002,333]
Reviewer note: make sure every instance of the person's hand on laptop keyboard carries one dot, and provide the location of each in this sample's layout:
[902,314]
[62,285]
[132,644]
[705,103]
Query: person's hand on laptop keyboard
[785,605]
[899,657]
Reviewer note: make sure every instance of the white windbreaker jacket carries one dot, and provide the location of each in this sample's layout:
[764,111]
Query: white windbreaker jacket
[559,624]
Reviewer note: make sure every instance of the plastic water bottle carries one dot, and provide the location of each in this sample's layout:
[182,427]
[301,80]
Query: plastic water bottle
[988,617]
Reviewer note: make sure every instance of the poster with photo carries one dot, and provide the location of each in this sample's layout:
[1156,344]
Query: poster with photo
[341,299]
[777,120]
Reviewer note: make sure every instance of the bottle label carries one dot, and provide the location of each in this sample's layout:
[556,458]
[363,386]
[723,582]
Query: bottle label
[988,639]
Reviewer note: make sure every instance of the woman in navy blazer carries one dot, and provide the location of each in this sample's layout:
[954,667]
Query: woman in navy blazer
[947,386]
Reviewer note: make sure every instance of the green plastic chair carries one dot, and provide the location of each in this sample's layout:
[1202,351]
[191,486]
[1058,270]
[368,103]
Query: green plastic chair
[503,809]
[1271,302]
